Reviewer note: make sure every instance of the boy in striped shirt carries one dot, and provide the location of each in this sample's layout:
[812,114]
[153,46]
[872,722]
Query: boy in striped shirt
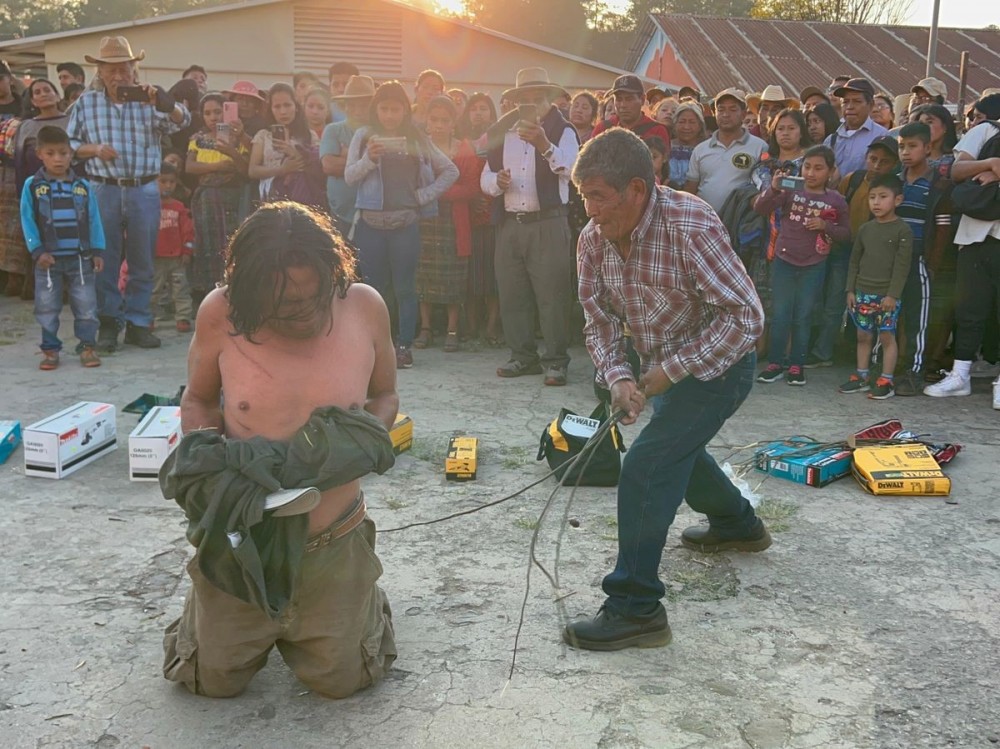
[62,228]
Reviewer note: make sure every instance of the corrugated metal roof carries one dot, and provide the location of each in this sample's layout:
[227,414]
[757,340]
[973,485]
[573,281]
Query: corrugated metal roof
[753,53]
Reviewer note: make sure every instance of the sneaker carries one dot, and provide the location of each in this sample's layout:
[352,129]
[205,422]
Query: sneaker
[952,385]
[857,384]
[89,358]
[982,368]
[996,394]
[612,631]
[882,389]
[514,368]
[107,336]
[814,362]
[137,335]
[704,539]
[771,374]
[183,326]
[795,376]
[555,376]
[404,357]
[908,385]
[50,360]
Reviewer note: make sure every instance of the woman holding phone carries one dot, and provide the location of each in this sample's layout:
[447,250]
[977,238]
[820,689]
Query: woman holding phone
[400,175]
[218,157]
[281,148]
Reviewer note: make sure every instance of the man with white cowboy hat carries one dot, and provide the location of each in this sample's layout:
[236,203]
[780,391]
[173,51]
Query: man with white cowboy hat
[354,102]
[768,104]
[531,169]
[117,128]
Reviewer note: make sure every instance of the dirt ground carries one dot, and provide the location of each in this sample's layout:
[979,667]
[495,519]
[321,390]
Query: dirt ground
[870,622]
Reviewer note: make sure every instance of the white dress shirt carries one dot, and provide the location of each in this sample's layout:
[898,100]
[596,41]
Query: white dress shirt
[519,158]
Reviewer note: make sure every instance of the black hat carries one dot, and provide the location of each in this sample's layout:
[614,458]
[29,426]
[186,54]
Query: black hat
[989,105]
[887,142]
[629,84]
[860,85]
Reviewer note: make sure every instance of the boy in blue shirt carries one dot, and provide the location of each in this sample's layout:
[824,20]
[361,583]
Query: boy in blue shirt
[62,228]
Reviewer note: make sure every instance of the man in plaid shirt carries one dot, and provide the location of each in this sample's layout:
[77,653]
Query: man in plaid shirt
[117,130]
[660,262]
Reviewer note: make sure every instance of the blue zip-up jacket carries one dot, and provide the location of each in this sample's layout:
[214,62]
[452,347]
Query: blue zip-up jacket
[39,228]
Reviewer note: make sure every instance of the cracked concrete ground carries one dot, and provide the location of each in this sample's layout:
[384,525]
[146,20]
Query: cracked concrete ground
[871,622]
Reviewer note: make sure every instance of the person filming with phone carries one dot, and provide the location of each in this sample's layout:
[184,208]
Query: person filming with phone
[116,128]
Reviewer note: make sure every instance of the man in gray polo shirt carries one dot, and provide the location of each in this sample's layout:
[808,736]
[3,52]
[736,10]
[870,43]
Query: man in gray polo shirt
[722,163]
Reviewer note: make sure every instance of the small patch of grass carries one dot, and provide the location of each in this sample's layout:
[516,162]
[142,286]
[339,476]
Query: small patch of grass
[609,537]
[529,524]
[430,449]
[700,583]
[396,504]
[515,456]
[775,513]
[611,522]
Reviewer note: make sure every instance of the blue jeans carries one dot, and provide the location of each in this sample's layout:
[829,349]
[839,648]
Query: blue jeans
[389,258]
[76,274]
[794,293]
[131,218]
[666,464]
[831,311]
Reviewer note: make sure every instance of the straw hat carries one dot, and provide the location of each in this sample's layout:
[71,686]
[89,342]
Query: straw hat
[358,87]
[245,88]
[115,49]
[773,95]
[533,79]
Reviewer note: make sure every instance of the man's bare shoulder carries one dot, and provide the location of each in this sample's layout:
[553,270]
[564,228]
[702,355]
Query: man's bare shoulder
[364,298]
[213,314]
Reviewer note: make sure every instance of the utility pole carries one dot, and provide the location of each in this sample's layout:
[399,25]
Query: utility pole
[932,41]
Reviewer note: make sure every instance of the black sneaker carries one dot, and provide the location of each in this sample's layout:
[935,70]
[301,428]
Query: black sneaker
[514,368]
[882,389]
[857,384]
[107,335]
[137,335]
[611,631]
[814,362]
[771,374]
[704,539]
[404,357]
[909,384]
[795,376]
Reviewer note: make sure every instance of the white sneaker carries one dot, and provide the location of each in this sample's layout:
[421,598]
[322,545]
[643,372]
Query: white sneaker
[996,394]
[982,368]
[953,384]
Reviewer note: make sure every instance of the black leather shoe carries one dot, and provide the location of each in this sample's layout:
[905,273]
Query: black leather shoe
[611,631]
[703,538]
[136,335]
[107,335]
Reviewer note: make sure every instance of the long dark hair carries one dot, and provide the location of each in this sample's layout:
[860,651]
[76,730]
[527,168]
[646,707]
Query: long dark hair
[394,91]
[828,114]
[800,119]
[276,237]
[940,113]
[465,128]
[29,109]
[298,128]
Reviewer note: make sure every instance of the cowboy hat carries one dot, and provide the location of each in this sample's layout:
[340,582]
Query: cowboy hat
[533,79]
[114,49]
[245,88]
[358,87]
[772,94]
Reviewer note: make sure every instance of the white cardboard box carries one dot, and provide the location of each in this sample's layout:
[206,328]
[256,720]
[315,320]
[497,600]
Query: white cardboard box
[67,441]
[152,441]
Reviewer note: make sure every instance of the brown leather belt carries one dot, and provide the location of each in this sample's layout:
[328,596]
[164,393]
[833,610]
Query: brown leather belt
[340,527]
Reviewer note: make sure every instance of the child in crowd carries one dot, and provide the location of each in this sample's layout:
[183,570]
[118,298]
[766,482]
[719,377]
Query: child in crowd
[62,229]
[71,93]
[317,111]
[176,160]
[813,217]
[880,262]
[926,210]
[658,149]
[882,158]
[174,247]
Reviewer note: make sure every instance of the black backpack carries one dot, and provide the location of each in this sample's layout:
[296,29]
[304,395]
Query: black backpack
[973,199]
[748,230]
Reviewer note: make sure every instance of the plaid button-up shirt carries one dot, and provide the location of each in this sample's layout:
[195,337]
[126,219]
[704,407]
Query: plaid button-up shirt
[132,129]
[683,292]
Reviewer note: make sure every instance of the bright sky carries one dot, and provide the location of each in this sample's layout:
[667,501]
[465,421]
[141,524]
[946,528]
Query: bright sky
[969,14]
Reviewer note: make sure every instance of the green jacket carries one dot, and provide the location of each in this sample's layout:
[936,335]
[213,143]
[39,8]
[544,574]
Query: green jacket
[221,485]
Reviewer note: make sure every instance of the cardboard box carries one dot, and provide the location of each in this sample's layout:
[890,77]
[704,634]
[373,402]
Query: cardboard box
[815,469]
[900,470]
[460,465]
[10,438]
[401,434]
[153,439]
[67,441]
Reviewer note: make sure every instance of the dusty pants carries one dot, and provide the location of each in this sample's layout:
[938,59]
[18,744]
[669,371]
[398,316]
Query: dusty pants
[336,634]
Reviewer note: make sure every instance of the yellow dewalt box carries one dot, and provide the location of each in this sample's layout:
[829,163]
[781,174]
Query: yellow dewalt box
[460,465]
[401,434]
[900,470]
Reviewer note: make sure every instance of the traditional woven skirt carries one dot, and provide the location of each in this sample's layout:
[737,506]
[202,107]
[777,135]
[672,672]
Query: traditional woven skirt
[482,277]
[216,215]
[442,275]
[14,256]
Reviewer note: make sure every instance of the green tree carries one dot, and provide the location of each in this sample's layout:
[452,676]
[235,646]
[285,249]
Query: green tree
[834,11]
[22,18]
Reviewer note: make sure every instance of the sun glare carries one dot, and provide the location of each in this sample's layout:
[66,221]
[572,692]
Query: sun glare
[446,7]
